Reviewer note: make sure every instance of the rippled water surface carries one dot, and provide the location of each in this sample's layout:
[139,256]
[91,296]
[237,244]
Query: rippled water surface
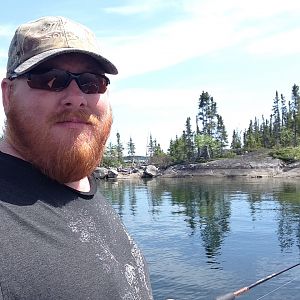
[206,237]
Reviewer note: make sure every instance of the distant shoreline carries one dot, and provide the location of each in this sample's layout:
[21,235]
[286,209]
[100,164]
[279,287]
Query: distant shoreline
[250,165]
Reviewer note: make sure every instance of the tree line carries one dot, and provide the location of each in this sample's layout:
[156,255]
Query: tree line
[209,140]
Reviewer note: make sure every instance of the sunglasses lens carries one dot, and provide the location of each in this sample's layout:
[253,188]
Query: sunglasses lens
[57,80]
[53,80]
[91,83]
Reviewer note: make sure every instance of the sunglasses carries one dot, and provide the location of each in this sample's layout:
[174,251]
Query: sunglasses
[56,80]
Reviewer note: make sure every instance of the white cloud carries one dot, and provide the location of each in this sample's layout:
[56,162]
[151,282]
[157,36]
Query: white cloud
[241,10]
[128,9]
[3,53]
[256,27]
[283,43]
[6,30]
[168,45]
[136,7]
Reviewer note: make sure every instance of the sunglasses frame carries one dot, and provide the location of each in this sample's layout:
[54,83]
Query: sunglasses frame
[66,77]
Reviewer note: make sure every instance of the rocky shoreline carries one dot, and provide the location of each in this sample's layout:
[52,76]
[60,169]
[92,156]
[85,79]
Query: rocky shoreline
[243,166]
[251,165]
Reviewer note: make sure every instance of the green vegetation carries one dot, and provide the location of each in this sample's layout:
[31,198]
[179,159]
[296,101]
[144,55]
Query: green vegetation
[279,133]
[289,154]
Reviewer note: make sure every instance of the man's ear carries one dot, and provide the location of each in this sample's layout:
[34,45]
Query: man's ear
[7,90]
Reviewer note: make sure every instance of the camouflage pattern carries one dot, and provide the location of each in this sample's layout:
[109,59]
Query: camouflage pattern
[37,41]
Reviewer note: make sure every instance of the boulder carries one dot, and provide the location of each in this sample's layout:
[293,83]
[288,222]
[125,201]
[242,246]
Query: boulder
[150,171]
[112,173]
[101,173]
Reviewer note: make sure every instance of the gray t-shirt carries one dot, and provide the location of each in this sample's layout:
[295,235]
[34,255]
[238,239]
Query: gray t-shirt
[57,243]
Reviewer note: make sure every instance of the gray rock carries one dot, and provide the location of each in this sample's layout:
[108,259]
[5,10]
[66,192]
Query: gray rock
[101,173]
[112,173]
[248,165]
[150,171]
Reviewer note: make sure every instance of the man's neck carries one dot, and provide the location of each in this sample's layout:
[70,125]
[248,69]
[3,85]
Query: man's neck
[82,185]
[7,148]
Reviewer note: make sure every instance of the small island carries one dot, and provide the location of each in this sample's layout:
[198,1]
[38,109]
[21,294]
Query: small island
[256,164]
[269,147]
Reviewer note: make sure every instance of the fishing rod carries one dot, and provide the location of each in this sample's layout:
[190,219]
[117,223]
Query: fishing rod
[231,296]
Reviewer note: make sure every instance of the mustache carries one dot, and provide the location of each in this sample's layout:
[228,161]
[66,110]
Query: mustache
[80,116]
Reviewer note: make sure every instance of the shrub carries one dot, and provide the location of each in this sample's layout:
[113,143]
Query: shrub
[288,154]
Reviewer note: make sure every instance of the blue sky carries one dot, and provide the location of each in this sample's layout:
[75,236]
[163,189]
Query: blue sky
[168,52]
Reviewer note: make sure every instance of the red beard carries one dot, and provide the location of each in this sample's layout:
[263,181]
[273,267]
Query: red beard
[66,159]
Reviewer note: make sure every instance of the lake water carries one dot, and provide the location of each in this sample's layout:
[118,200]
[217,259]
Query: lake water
[206,237]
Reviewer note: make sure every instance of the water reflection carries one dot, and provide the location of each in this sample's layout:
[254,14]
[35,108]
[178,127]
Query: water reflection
[206,204]
[288,216]
[199,226]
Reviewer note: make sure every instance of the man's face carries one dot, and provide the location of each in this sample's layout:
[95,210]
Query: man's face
[62,133]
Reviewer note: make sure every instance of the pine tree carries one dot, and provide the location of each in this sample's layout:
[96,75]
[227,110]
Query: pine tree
[207,114]
[286,133]
[284,112]
[211,125]
[131,149]
[257,134]
[221,134]
[110,157]
[150,146]
[250,142]
[265,134]
[296,113]
[211,117]
[208,146]
[177,150]
[120,149]
[236,142]
[189,140]
[276,120]
[203,108]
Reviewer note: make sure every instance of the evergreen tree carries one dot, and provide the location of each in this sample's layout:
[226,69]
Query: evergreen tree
[150,146]
[212,125]
[257,134]
[250,137]
[284,112]
[120,149]
[286,134]
[189,140]
[211,117]
[276,120]
[172,150]
[131,149]
[207,114]
[296,113]
[265,134]
[236,142]
[110,157]
[221,134]
[207,144]
[177,150]
[295,98]
[204,101]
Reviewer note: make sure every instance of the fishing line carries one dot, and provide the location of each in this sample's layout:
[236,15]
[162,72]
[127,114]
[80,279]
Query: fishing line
[233,295]
[276,289]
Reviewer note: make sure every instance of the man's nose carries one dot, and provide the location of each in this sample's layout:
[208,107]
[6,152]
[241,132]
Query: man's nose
[74,96]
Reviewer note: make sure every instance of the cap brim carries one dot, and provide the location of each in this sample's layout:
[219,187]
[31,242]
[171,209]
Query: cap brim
[32,62]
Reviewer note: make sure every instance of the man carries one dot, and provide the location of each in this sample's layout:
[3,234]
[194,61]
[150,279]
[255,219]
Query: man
[59,238]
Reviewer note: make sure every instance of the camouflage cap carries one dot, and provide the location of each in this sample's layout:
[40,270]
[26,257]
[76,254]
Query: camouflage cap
[37,41]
